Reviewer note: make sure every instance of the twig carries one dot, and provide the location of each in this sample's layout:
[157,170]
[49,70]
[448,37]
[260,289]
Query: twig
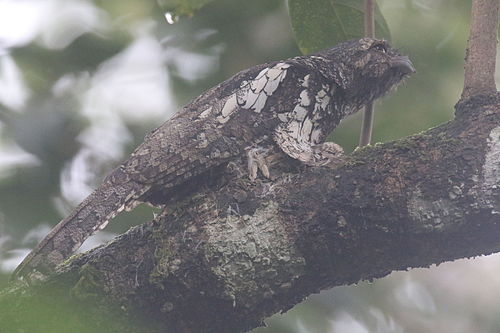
[480,56]
[367,125]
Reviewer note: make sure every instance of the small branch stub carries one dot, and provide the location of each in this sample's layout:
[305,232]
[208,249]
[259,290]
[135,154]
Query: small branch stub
[481,49]
[367,125]
[369,21]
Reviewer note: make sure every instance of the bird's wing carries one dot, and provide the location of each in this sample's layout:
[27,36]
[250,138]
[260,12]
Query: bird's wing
[209,131]
[192,142]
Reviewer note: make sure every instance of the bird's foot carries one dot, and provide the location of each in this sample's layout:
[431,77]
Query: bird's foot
[257,161]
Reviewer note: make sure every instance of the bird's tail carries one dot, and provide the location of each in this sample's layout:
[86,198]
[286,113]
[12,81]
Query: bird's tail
[90,216]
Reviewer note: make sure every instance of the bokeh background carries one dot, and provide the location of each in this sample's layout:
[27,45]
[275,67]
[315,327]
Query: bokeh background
[82,82]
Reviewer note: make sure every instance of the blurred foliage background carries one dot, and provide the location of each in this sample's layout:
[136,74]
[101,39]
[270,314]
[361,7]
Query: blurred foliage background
[82,82]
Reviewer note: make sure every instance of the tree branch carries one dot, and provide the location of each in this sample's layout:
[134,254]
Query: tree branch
[237,252]
[480,56]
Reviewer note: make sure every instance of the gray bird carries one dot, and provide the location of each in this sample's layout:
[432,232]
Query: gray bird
[290,106]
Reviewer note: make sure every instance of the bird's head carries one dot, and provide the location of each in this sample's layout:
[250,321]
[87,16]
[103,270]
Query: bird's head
[366,68]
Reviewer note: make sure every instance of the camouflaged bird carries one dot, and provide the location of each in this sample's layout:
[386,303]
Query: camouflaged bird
[292,105]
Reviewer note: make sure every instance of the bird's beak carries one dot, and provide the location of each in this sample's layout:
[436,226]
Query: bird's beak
[403,64]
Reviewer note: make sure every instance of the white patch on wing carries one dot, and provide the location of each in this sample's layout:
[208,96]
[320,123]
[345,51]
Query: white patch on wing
[299,112]
[320,94]
[205,113]
[283,75]
[273,73]
[261,73]
[304,98]
[253,94]
[263,86]
[230,106]
[305,83]
[306,129]
[282,65]
[222,120]
[260,103]
[249,101]
[283,117]
[258,85]
[271,86]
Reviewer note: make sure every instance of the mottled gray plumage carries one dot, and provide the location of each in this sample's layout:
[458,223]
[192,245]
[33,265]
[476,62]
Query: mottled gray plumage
[293,104]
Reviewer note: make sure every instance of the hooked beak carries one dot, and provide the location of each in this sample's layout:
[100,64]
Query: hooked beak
[403,64]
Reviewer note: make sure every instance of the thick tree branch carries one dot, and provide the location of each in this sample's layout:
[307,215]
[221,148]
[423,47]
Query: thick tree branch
[481,50]
[237,252]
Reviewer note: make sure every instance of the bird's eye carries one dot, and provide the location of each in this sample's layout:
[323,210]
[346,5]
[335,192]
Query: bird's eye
[380,47]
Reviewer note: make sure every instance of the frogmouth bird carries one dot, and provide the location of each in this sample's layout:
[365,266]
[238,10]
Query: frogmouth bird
[290,105]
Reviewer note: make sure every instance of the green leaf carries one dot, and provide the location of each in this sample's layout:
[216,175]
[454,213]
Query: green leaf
[320,24]
[182,7]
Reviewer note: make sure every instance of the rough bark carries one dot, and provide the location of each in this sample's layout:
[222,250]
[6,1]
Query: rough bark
[235,253]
